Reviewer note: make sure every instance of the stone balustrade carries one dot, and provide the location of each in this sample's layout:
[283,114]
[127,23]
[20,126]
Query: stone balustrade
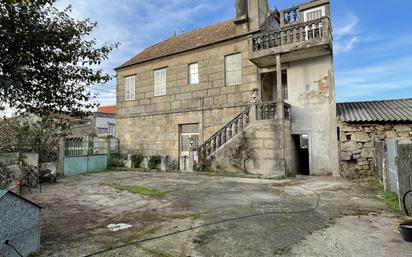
[263,111]
[296,32]
[230,130]
[290,16]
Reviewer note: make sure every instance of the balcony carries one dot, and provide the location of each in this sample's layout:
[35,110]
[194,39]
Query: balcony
[294,41]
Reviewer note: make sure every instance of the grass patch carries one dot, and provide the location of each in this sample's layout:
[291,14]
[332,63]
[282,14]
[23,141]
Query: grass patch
[141,190]
[392,202]
[129,238]
[282,250]
[375,185]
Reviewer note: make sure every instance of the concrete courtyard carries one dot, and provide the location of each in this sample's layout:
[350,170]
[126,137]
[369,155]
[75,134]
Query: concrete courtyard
[210,216]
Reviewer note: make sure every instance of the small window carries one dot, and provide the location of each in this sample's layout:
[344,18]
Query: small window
[130,87]
[160,82]
[314,13]
[233,69]
[193,73]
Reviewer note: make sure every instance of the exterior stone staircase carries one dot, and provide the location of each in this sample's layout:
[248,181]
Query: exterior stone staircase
[255,114]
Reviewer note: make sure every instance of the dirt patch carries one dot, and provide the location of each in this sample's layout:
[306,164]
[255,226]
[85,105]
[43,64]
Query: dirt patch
[78,209]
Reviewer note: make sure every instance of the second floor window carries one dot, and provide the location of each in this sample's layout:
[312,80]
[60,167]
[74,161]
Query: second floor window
[193,73]
[233,69]
[130,87]
[160,82]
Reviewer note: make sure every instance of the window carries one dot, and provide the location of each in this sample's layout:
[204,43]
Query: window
[233,69]
[193,73]
[130,86]
[160,82]
[111,130]
[314,13]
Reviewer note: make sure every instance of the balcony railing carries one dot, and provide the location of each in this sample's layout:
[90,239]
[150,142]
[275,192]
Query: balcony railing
[296,32]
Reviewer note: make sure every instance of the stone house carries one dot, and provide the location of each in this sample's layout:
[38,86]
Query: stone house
[362,124]
[266,72]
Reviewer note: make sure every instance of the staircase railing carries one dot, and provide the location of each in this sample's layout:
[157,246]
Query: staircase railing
[230,130]
[265,111]
[260,111]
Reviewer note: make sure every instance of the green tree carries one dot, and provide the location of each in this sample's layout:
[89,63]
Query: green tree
[47,58]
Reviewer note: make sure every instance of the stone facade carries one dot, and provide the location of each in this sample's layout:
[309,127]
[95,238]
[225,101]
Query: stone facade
[152,123]
[357,145]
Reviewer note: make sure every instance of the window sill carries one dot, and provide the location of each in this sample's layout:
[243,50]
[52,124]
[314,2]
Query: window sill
[234,84]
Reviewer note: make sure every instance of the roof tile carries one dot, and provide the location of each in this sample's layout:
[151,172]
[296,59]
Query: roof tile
[399,110]
[187,41]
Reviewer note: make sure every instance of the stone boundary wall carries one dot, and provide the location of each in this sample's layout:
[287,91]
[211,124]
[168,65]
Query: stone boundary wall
[357,145]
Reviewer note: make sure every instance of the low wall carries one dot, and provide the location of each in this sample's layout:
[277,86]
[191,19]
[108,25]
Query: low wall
[357,145]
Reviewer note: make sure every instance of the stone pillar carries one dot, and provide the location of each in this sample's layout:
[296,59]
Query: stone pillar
[279,93]
[60,161]
[280,109]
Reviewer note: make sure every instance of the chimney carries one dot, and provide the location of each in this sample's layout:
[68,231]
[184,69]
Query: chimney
[241,8]
[258,12]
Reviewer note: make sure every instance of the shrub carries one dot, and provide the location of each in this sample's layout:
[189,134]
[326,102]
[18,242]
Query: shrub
[116,163]
[241,152]
[154,161]
[137,159]
[204,163]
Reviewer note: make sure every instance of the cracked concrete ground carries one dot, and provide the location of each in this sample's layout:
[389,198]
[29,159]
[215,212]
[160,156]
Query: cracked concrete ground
[277,217]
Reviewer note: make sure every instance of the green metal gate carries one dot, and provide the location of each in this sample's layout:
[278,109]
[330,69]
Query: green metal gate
[85,154]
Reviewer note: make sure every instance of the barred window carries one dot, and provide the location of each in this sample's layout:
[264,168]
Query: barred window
[233,69]
[160,82]
[193,73]
[130,87]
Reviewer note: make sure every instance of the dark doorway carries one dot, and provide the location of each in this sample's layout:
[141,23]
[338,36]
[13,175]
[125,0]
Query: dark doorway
[301,143]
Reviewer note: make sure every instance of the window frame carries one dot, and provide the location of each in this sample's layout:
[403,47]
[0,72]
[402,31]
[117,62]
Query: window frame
[164,88]
[315,9]
[127,94]
[189,74]
[239,69]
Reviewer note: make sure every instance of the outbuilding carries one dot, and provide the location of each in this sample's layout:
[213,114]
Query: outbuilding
[361,125]
[19,225]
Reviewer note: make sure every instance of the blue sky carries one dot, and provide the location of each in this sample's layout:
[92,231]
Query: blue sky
[373,38]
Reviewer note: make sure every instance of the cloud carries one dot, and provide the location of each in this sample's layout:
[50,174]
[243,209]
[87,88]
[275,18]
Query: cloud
[376,80]
[347,28]
[137,24]
[347,34]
